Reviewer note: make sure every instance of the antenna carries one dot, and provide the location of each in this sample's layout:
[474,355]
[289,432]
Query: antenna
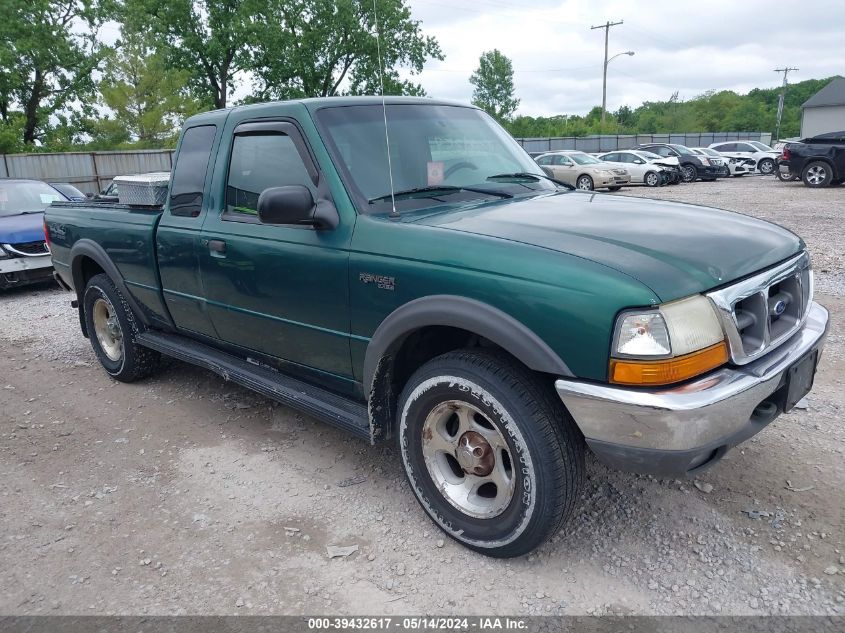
[393,212]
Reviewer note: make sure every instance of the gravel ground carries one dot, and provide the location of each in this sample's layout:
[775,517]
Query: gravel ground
[185,494]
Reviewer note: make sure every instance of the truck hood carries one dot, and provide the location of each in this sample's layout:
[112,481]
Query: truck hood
[19,229]
[674,249]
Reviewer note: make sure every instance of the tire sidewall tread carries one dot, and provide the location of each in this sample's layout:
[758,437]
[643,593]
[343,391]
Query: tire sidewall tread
[529,413]
[136,361]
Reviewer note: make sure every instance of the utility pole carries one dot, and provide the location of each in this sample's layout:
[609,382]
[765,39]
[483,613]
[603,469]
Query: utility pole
[785,72]
[606,26]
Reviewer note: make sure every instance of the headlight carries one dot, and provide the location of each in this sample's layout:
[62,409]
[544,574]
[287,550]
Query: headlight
[704,161]
[670,343]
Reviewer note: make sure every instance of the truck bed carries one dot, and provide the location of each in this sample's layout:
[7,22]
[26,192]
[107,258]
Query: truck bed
[126,234]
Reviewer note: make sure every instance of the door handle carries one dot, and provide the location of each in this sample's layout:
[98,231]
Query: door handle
[217,246]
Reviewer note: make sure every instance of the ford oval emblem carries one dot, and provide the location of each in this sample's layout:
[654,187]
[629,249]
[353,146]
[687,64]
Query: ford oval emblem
[779,308]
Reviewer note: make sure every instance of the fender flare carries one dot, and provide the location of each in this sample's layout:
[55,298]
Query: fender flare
[467,314]
[88,248]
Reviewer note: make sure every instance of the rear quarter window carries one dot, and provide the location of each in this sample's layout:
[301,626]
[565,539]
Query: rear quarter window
[186,191]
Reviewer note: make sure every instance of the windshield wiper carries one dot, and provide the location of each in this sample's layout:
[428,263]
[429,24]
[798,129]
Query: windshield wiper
[525,174]
[442,188]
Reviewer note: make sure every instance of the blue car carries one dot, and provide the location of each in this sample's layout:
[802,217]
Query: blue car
[24,253]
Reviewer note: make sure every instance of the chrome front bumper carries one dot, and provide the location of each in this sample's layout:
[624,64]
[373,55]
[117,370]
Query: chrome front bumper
[679,429]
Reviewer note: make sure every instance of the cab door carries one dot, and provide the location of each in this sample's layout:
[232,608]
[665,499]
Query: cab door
[279,290]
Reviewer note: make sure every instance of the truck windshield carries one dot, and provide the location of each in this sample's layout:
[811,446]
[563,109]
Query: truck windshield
[21,197]
[438,154]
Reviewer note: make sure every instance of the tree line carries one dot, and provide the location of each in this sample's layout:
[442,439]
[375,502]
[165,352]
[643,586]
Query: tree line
[114,74]
[62,87]
[713,111]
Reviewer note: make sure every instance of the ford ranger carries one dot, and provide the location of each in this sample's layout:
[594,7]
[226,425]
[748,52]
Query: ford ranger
[404,270]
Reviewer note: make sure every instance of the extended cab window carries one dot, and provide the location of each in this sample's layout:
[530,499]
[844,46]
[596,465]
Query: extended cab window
[189,174]
[261,161]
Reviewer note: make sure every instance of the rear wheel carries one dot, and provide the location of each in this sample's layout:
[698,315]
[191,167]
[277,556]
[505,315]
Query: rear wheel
[817,174]
[492,458]
[766,166]
[651,179]
[112,330]
[584,182]
[688,173]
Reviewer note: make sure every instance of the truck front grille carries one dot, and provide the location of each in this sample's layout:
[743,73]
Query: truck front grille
[28,249]
[763,311]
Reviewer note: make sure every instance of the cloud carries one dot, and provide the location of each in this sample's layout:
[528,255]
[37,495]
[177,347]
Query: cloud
[679,46]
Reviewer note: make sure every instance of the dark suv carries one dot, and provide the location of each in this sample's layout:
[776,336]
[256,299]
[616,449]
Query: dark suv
[692,166]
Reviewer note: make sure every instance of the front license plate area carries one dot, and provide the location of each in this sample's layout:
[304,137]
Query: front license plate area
[799,379]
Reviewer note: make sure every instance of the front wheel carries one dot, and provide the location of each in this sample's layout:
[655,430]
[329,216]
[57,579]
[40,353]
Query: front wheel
[766,166]
[584,183]
[688,173]
[651,179]
[492,458]
[112,330]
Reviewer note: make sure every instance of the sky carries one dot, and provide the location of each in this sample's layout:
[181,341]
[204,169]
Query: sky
[689,47]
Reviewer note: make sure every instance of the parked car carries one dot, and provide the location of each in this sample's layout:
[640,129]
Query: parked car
[491,322]
[24,254]
[583,171]
[69,191]
[819,160]
[649,169]
[737,165]
[691,164]
[763,155]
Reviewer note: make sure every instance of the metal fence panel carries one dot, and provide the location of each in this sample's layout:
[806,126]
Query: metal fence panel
[90,172]
[611,142]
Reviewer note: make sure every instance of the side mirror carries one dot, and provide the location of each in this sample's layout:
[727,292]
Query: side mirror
[294,204]
[639,161]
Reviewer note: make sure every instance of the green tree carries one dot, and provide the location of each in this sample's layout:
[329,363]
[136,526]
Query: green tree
[148,99]
[208,39]
[319,48]
[48,51]
[493,80]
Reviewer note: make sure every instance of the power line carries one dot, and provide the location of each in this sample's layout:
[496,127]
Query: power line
[785,72]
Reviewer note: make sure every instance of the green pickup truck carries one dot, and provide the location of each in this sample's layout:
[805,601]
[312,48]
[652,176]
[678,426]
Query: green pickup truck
[405,271]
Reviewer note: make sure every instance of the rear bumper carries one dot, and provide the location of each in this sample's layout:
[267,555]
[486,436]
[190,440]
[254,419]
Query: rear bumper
[680,430]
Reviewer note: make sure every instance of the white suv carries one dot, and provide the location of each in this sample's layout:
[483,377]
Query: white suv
[762,154]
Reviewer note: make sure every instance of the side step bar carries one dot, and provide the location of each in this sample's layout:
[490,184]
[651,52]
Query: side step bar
[329,407]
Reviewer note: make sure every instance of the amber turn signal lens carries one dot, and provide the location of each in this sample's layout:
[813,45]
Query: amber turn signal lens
[669,370]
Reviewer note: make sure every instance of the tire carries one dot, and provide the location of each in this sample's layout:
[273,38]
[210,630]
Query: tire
[766,166]
[112,329]
[651,179]
[817,175]
[531,441]
[689,173]
[614,188]
[584,182]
